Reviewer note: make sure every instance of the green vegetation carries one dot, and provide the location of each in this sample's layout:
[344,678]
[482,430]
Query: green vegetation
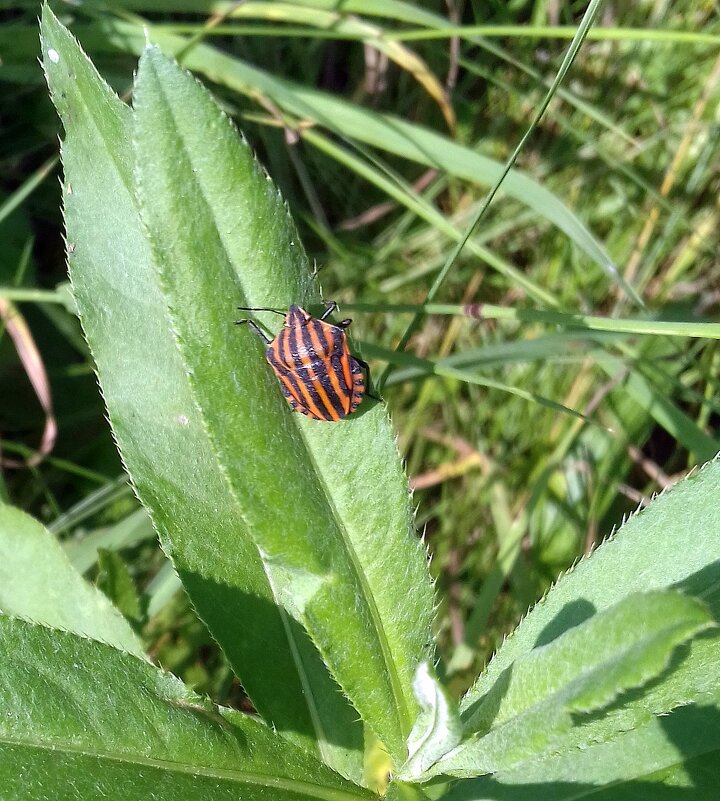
[525,230]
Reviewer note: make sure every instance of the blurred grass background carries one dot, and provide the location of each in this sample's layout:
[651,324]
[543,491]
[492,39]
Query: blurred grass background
[510,490]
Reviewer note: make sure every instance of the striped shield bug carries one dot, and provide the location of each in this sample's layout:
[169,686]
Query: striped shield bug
[310,356]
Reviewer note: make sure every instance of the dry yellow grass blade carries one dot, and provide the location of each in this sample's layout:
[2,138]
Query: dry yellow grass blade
[372,35]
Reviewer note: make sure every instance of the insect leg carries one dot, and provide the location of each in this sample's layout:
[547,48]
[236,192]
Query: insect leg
[366,367]
[330,307]
[254,326]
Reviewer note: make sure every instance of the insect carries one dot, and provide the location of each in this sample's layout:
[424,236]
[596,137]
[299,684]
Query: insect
[310,356]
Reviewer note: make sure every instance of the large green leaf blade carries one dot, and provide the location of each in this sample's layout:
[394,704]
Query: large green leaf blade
[673,756]
[673,543]
[326,503]
[649,735]
[38,583]
[162,440]
[83,720]
[535,706]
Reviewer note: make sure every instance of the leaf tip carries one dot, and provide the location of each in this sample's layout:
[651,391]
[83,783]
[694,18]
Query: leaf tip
[150,52]
[47,16]
[49,25]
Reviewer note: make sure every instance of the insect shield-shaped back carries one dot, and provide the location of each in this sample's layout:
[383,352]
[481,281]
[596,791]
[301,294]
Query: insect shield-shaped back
[318,375]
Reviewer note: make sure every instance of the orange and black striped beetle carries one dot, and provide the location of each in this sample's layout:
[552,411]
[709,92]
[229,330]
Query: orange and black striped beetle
[310,356]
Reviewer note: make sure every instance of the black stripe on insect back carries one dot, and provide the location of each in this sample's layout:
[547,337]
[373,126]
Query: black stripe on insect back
[321,365]
[338,378]
[303,375]
[314,375]
[339,338]
[340,403]
[288,380]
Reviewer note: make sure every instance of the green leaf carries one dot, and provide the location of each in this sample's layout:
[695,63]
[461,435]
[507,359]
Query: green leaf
[401,791]
[438,728]
[673,543]
[82,720]
[163,442]
[115,581]
[625,749]
[38,583]
[165,445]
[675,756]
[685,692]
[538,699]
[326,504]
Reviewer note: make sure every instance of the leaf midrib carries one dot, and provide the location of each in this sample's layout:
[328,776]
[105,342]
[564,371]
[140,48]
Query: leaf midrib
[205,771]
[395,684]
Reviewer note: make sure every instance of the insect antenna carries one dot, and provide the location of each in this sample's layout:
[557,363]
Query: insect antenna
[260,308]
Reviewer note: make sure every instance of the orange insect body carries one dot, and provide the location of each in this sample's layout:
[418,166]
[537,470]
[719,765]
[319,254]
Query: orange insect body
[310,356]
